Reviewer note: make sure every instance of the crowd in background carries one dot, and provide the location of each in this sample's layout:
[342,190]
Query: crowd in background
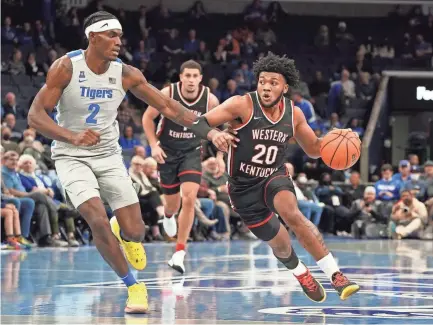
[156,41]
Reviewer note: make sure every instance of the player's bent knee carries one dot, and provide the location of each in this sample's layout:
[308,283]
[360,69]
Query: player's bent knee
[136,232]
[188,199]
[293,218]
[268,230]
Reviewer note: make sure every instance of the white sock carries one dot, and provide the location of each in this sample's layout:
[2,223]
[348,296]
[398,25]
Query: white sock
[328,265]
[300,269]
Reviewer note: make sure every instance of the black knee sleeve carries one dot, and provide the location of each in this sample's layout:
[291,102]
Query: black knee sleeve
[267,231]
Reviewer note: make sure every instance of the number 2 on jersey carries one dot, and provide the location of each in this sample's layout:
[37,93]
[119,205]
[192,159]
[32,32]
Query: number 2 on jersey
[270,152]
[94,110]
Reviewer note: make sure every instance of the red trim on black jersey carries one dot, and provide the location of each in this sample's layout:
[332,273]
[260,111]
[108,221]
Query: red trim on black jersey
[267,184]
[189,172]
[169,186]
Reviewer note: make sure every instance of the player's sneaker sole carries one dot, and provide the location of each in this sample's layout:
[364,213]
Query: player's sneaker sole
[176,262]
[344,286]
[348,291]
[137,302]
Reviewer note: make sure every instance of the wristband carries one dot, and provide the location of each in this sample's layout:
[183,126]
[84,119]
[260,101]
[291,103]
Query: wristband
[201,127]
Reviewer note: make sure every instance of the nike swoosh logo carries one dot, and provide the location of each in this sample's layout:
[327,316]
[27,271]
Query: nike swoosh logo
[196,122]
[82,80]
[106,24]
[257,117]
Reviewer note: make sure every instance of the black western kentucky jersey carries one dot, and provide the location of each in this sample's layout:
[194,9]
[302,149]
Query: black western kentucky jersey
[175,136]
[262,146]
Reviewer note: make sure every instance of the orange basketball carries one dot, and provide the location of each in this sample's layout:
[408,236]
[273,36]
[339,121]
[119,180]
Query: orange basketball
[340,149]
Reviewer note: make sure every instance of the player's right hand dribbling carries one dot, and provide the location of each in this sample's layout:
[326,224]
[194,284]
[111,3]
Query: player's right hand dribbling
[158,154]
[86,138]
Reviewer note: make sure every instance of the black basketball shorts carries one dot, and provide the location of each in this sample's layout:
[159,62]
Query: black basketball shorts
[179,167]
[255,203]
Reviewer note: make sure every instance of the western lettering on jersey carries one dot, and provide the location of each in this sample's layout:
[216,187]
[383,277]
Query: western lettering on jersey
[261,149]
[273,135]
[93,93]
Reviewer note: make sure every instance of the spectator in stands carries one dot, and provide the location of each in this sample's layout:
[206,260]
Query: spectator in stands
[423,49]
[150,169]
[10,121]
[12,227]
[24,210]
[344,88]
[140,151]
[249,49]
[413,159]
[355,190]
[232,90]
[332,123]
[231,47]
[127,141]
[124,114]
[266,36]
[319,86]
[141,53]
[26,35]
[342,37]
[308,203]
[366,212]
[254,12]
[9,34]
[125,53]
[11,107]
[415,184]
[33,183]
[151,205]
[220,55]
[29,141]
[366,88]
[203,56]
[403,174]
[347,84]
[361,64]
[385,50]
[275,13]
[406,49]
[306,107]
[6,142]
[409,217]
[242,85]
[388,188]
[192,44]
[29,201]
[32,67]
[52,56]
[367,48]
[197,11]
[173,46]
[149,42]
[16,65]
[213,86]
[41,38]
[353,124]
[332,196]
[427,177]
[322,38]
[142,20]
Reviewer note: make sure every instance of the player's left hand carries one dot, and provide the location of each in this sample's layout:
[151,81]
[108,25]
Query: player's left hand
[223,140]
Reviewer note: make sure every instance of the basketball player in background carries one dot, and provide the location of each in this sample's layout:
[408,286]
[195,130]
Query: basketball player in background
[178,153]
[259,185]
[87,87]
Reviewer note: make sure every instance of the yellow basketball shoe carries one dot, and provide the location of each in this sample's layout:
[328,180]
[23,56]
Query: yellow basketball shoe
[137,299]
[134,252]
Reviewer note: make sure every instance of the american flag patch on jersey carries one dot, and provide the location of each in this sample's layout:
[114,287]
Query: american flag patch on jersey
[112,80]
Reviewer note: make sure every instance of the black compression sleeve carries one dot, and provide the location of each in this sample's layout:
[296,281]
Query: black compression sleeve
[201,127]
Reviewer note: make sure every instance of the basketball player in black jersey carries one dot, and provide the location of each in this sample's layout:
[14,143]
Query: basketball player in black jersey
[259,185]
[178,153]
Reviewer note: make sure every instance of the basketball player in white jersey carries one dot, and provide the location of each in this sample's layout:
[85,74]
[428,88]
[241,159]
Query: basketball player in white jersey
[87,88]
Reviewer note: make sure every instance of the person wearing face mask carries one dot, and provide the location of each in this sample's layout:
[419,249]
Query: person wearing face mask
[6,142]
[29,141]
[417,186]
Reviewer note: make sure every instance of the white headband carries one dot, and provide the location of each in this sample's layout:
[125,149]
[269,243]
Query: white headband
[102,26]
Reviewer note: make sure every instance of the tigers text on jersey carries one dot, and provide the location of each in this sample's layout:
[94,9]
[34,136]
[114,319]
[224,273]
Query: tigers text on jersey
[263,142]
[175,136]
[90,101]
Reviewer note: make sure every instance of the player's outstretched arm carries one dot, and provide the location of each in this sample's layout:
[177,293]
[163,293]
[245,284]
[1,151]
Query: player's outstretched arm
[134,81]
[305,135]
[46,99]
[228,111]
